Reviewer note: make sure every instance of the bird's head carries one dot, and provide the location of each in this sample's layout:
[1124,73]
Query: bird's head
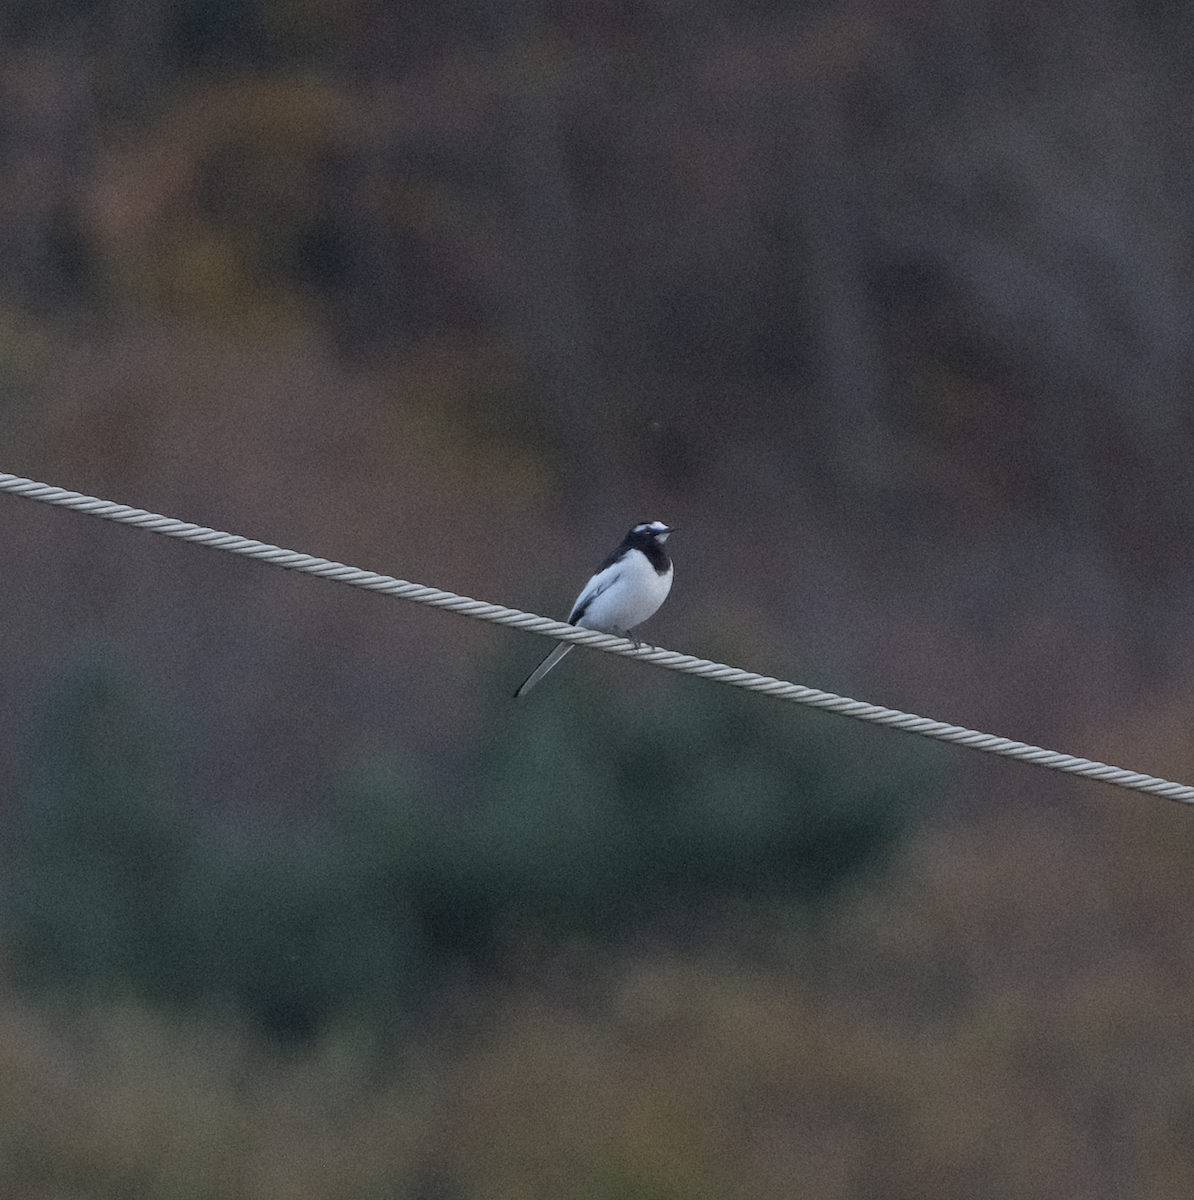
[656,531]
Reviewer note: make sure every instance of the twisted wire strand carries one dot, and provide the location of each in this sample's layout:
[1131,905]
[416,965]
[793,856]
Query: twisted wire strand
[514,618]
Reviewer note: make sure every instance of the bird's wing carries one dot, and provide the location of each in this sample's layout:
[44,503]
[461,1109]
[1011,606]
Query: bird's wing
[601,582]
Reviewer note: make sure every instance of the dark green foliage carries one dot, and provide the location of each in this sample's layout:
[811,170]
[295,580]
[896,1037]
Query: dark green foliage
[112,887]
[288,930]
[99,844]
[589,813]
[585,814]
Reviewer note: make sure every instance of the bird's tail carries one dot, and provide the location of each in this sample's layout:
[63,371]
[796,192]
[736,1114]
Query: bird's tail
[542,669]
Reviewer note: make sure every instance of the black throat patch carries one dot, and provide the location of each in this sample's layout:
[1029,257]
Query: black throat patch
[652,549]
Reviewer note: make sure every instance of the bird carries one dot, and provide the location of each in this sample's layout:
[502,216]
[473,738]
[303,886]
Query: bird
[626,589]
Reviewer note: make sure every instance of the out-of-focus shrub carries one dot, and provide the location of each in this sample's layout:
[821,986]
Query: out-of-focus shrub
[584,814]
[589,814]
[99,842]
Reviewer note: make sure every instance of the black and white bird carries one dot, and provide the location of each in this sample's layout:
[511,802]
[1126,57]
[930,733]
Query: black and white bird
[628,588]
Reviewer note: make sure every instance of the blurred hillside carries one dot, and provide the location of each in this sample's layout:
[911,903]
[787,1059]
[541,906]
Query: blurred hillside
[888,306]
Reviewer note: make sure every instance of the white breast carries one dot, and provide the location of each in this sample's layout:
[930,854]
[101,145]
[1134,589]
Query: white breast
[624,595]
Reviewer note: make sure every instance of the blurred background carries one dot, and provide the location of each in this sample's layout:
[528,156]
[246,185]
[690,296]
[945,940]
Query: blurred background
[888,307]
